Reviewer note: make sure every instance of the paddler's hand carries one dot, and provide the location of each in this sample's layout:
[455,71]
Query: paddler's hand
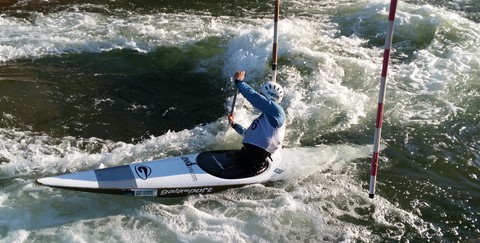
[231,121]
[239,75]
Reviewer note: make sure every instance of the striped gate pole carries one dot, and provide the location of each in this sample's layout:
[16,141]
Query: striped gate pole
[275,41]
[381,98]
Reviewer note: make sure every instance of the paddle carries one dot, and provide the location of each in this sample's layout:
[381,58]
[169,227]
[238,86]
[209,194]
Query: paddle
[233,102]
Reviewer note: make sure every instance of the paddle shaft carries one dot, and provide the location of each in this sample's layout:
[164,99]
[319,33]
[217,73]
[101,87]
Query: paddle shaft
[233,102]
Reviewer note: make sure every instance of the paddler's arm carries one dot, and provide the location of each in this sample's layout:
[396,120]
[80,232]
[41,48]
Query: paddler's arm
[257,100]
[237,127]
[275,114]
[238,76]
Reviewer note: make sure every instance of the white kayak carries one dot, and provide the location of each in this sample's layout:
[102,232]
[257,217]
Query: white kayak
[203,173]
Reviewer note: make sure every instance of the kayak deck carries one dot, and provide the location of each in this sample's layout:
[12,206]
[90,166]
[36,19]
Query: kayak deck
[222,163]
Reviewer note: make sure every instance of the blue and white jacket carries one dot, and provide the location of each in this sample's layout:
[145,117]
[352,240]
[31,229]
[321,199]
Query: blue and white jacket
[267,131]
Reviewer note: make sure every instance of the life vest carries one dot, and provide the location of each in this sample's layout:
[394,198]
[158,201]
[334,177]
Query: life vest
[262,134]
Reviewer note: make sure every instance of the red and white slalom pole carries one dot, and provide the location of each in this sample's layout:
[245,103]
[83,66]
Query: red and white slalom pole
[275,41]
[381,98]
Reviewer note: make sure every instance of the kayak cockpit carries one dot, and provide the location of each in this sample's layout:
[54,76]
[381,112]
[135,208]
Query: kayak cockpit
[222,163]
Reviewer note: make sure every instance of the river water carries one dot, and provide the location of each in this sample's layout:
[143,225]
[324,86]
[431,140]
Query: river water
[104,83]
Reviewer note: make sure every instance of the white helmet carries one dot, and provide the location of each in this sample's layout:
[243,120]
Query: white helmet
[272,91]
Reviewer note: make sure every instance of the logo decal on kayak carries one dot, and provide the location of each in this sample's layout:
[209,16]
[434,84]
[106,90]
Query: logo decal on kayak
[143,171]
[189,165]
[186,191]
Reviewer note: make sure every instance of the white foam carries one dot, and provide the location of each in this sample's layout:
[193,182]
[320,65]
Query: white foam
[426,89]
[81,31]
